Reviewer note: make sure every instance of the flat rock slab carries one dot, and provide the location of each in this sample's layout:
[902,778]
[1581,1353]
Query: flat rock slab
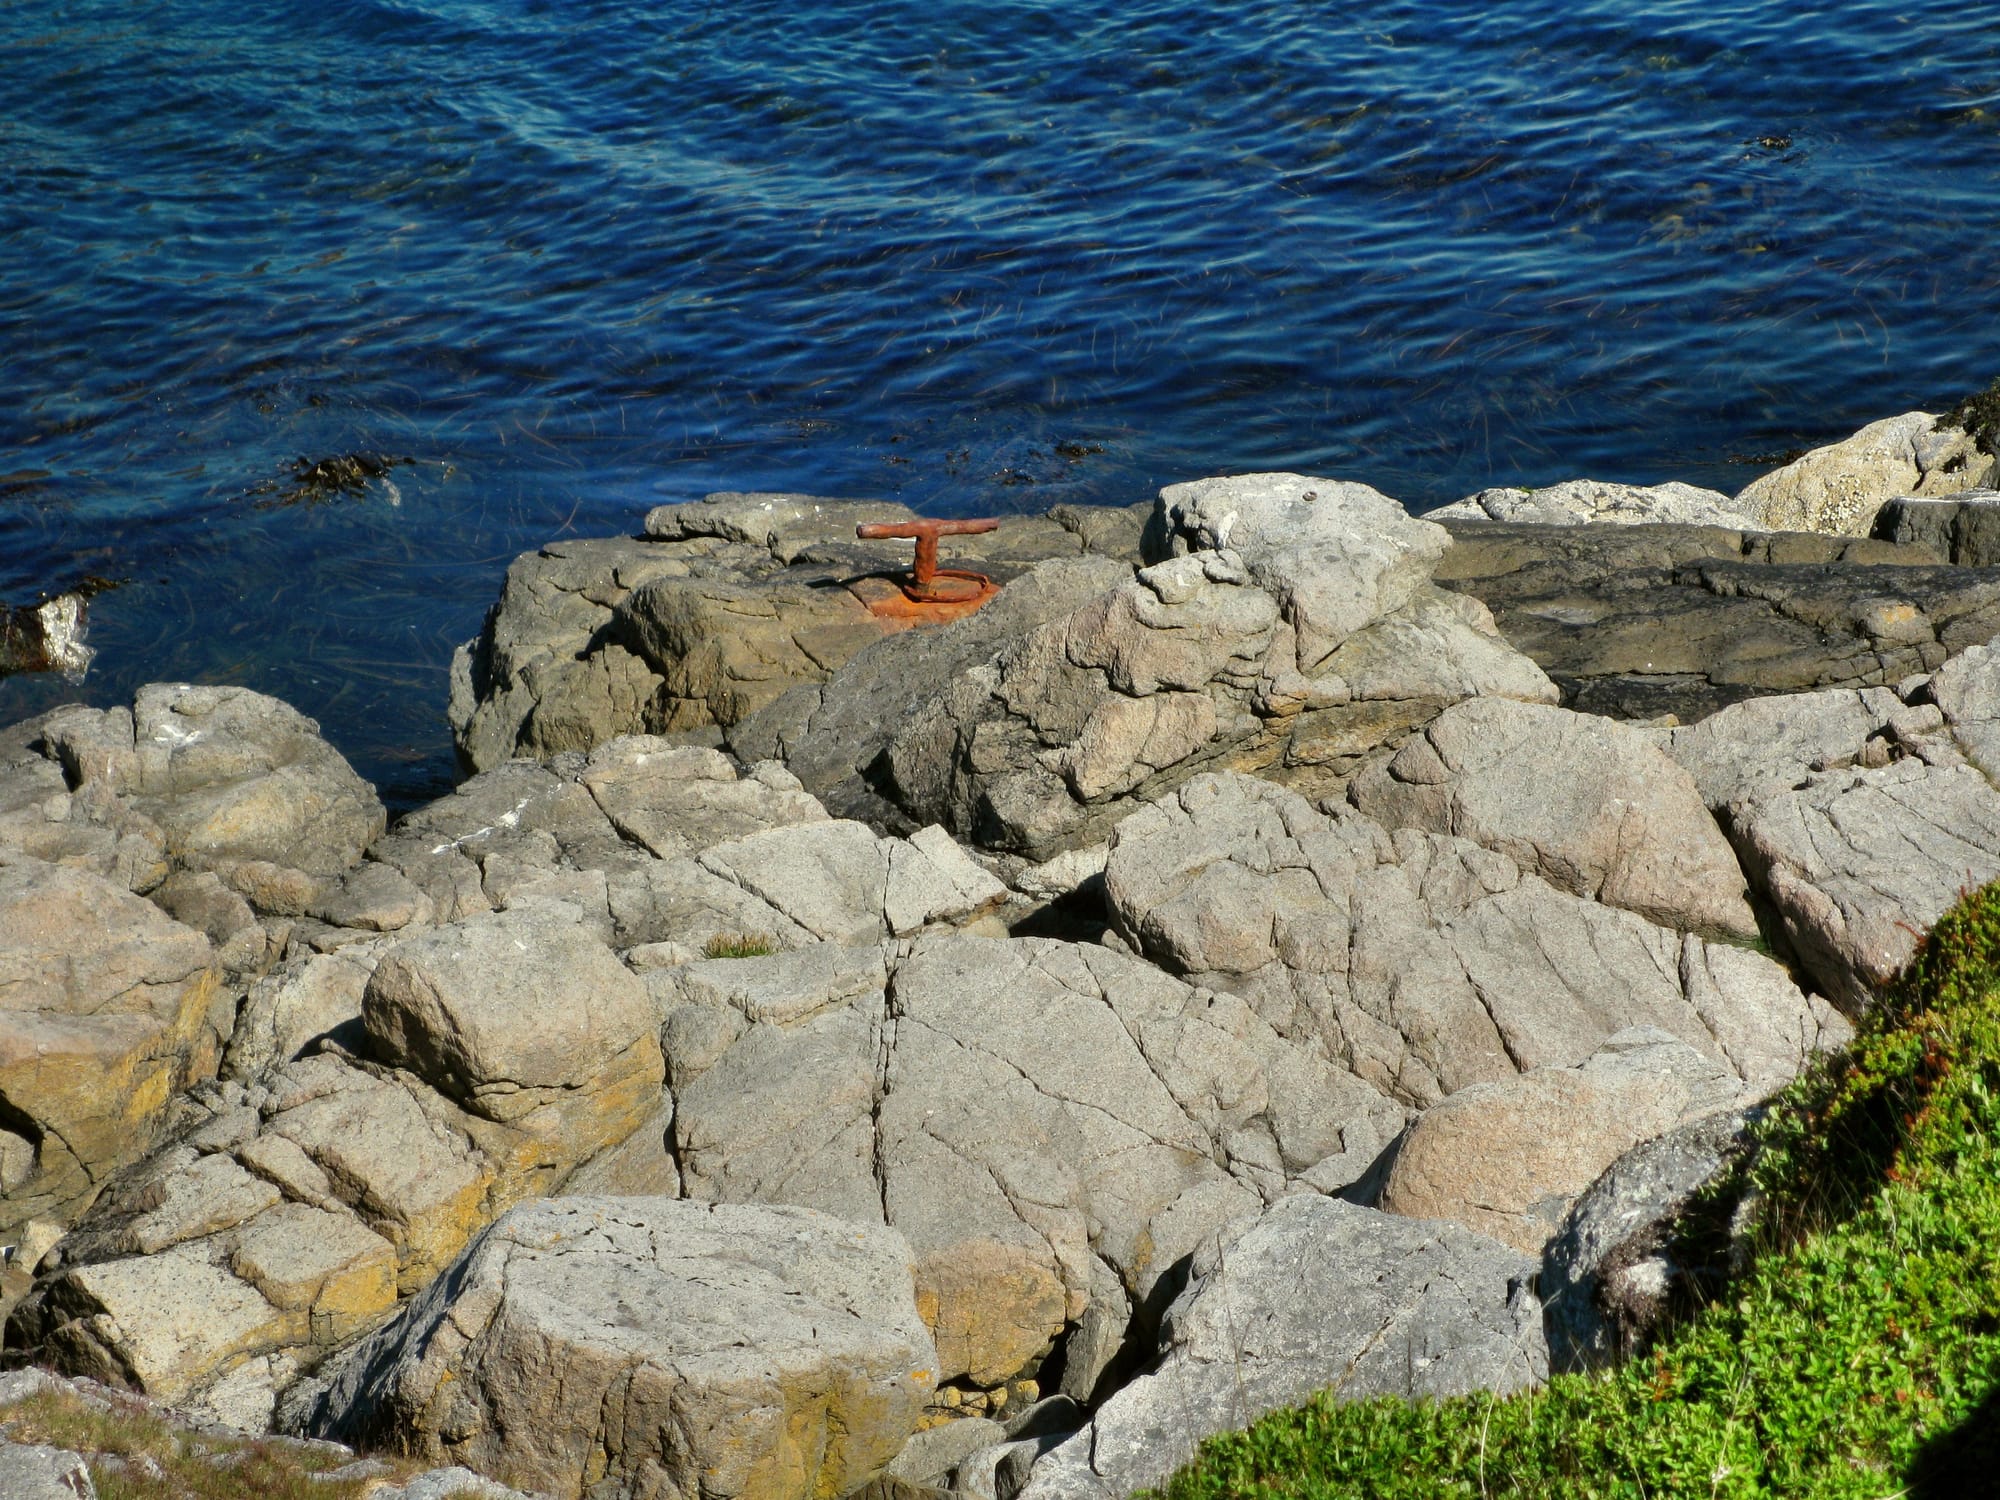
[644,1346]
[1317,1294]
[1578,502]
[1051,1126]
[1639,621]
[1861,862]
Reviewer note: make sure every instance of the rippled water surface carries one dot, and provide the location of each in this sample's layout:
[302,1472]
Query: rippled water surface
[571,259]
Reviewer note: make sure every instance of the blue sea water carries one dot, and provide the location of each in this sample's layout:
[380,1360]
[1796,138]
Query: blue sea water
[573,259]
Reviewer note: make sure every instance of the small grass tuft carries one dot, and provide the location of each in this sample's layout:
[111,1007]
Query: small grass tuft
[1856,1357]
[740,945]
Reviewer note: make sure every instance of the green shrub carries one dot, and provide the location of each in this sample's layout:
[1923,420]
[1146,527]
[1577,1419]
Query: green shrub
[1856,1358]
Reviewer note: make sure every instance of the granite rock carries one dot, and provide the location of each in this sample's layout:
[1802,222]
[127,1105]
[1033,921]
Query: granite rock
[1587,804]
[1577,502]
[1838,488]
[1316,1294]
[1506,1159]
[639,1345]
[110,1007]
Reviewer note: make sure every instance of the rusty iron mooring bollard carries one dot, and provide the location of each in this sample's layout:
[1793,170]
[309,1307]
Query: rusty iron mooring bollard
[929,591]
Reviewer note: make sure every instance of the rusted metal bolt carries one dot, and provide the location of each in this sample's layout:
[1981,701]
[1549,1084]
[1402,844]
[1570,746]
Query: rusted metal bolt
[925,533]
[924,574]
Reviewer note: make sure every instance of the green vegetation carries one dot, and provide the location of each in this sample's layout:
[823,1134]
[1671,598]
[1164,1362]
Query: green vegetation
[740,945]
[1857,1357]
[136,1454]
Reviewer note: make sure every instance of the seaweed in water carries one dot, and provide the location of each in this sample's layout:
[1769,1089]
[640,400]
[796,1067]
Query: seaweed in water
[1979,415]
[319,482]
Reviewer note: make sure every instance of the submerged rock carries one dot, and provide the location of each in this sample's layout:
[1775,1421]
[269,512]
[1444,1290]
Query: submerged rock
[46,637]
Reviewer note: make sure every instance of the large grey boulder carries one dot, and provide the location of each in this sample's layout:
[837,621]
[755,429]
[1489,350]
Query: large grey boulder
[1507,1158]
[1616,1271]
[233,775]
[1589,805]
[721,608]
[1860,862]
[1577,502]
[1293,631]
[1423,962]
[108,1007]
[830,733]
[651,1346]
[1964,528]
[524,1019]
[1314,1295]
[1839,488]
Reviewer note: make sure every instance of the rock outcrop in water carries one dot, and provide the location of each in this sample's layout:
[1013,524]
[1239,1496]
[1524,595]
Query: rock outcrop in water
[1235,962]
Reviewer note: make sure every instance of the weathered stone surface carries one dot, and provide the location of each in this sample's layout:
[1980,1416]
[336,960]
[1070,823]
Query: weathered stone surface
[830,733]
[313,998]
[1638,621]
[35,1471]
[1506,1159]
[1839,488]
[680,799]
[1576,502]
[1964,529]
[1037,1118]
[1766,745]
[1859,862]
[374,897]
[109,1007]
[1337,555]
[1614,1270]
[1315,1294]
[646,1345]
[1421,962]
[1587,804]
[1296,657]
[936,1451]
[229,774]
[200,900]
[60,778]
[1859,815]
[517,1013]
[724,606]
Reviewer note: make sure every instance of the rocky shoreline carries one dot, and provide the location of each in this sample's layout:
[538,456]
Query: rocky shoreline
[1277,943]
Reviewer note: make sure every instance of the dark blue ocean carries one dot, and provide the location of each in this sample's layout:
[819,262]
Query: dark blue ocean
[571,259]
